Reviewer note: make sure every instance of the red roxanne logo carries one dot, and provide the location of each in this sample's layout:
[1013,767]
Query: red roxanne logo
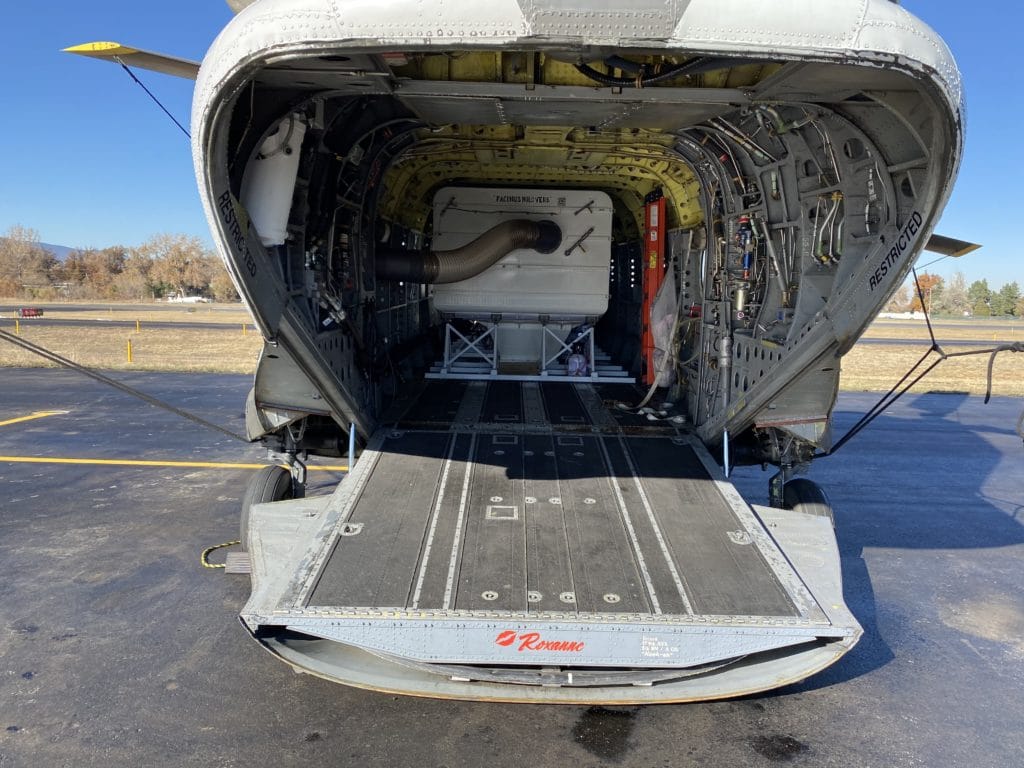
[532,641]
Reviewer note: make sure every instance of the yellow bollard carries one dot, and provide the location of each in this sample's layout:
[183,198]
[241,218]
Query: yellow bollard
[17,327]
[138,328]
[244,330]
[129,350]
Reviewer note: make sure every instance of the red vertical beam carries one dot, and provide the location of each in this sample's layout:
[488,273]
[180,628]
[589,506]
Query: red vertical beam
[654,275]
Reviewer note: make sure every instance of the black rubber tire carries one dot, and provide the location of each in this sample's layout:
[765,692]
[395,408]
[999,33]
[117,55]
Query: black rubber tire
[271,483]
[807,497]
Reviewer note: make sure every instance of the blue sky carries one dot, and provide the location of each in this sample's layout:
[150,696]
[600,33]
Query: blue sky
[88,160]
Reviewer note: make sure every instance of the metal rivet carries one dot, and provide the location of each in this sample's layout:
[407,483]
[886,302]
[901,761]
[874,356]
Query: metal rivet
[534,597]
[530,499]
[496,499]
[555,500]
[589,500]
[568,597]
[489,595]
[611,597]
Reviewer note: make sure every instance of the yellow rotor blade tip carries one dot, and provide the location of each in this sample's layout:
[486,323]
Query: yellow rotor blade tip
[101,49]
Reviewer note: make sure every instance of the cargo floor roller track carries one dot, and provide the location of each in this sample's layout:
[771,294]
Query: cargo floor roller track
[501,534]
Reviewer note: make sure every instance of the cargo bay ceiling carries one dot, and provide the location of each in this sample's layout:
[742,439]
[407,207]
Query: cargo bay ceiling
[594,119]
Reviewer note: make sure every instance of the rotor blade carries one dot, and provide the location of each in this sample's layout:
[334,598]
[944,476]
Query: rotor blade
[157,62]
[949,246]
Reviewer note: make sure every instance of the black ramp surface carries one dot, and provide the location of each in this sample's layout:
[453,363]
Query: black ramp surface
[493,567]
[558,521]
[547,522]
[549,570]
[438,403]
[664,585]
[503,403]
[721,576]
[562,404]
[375,567]
[603,559]
[438,563]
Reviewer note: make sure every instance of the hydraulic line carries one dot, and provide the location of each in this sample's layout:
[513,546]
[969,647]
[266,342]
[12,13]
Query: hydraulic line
[647,75]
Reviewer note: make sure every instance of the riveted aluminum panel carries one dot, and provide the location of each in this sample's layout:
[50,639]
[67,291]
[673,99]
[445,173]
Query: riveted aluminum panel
[603,18]
[568,644]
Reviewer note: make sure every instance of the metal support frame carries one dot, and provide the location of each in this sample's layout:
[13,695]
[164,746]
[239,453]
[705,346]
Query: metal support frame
[469,348]
[567,347]
[479,364]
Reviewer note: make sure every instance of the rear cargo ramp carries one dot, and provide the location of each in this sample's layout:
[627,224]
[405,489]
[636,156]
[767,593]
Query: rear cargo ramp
[524,561]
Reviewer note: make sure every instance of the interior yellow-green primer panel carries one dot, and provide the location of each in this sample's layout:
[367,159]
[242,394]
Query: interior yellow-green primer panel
[628,163]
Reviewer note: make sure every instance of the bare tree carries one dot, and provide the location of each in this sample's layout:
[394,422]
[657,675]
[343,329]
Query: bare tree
[26,268]
[180,263]
[133,282]
[221,286]
[953,299]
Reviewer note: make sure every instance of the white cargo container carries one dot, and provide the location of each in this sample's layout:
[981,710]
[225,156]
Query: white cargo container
[527,290]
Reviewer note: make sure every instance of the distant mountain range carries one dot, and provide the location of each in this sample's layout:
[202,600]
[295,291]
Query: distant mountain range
[60,251]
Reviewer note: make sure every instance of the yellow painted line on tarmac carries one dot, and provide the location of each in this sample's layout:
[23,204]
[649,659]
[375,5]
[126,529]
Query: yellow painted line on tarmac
[144,463]
[31,416]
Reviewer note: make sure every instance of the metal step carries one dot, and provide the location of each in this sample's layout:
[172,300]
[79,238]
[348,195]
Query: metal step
[238,562]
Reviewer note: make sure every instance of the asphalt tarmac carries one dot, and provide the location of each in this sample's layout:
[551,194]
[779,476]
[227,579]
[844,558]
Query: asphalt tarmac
[118,649]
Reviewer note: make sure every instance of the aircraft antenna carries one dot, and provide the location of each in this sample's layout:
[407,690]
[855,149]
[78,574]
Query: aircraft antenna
[142,85]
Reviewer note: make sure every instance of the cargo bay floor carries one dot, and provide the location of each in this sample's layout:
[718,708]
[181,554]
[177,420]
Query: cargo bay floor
[497,498]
